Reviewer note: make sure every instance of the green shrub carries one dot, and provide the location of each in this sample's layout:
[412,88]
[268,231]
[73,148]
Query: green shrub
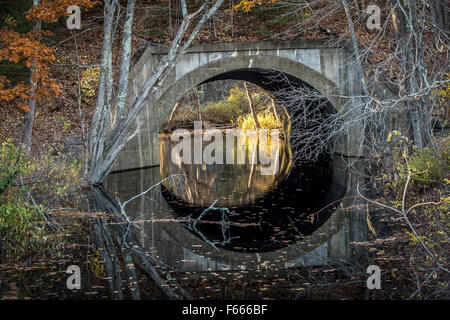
[21,230]
[21,227]
[234,107]
[12,164]
[427,166]
[27,185]
[52,179]
[222,112]
[232,110]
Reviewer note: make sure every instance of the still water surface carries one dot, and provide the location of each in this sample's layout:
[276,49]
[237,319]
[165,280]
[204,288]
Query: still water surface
[261,213]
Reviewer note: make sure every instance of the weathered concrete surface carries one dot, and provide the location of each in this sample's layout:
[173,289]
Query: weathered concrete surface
[325,67]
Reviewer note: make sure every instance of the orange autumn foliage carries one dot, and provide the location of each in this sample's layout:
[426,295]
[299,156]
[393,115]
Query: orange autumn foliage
[28,50]
[51,10]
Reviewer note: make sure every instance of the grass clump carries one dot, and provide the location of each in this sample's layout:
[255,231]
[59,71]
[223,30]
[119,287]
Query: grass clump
[266,120]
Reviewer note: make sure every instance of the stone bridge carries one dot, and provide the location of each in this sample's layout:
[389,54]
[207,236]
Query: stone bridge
[324,67]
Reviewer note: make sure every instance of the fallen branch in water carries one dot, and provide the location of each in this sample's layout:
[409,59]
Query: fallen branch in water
[132,253]
[224,222]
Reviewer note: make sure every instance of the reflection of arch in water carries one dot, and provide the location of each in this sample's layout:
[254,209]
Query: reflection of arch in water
[187,252]
[292,211]
[293,225]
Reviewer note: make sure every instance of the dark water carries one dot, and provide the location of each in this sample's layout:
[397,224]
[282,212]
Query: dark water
[253,212]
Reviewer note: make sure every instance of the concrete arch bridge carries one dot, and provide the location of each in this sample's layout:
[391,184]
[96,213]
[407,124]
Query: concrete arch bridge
[324,67]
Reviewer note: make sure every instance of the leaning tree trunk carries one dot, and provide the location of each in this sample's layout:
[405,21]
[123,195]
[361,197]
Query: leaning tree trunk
[133,255]
[107,136]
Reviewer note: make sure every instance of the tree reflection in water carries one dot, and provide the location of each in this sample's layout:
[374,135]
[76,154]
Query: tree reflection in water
[266,212]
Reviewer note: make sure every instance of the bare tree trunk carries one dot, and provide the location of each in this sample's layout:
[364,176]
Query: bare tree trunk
[170,20]
[28,120]
[184,9]
[100,119]
[411,64]
[418,104]
[440,13]
[253,163]
[197,102]
[410,55]
[398,19]
[107,251]
[125,60]
[134,253]
[252,107]
[411,70]
[433,12]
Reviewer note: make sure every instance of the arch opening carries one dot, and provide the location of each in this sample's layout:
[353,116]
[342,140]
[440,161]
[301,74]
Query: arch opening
[288,206]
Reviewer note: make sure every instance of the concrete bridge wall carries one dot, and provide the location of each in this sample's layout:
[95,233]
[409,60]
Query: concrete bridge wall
[322,66]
